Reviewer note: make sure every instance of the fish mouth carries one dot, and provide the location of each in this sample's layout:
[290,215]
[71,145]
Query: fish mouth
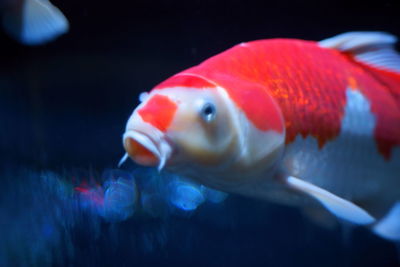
[146,150]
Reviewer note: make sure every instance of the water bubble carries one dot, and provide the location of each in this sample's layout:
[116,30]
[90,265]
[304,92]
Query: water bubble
[184,195]
[120,199]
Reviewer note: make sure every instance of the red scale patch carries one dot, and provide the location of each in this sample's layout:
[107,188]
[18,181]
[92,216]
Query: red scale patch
[276,67]
[307,82]
[185,81]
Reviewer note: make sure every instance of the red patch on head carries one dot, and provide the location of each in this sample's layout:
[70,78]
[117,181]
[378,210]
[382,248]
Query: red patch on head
[185,81]
[262,110]
[254,100]
[159,111]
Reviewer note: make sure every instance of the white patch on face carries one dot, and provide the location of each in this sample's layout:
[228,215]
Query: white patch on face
[349,166]
[236,153]
[253,158]
[253,144]
[197,138]
[236,120]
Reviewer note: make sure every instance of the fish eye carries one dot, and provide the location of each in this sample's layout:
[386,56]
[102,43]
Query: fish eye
[208,112]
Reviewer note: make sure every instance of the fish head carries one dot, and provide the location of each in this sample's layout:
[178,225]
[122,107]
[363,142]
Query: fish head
[191,127]
[178,124]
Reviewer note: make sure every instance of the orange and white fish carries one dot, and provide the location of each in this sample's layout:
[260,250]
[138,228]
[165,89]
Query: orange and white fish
[32,22]
[298,122]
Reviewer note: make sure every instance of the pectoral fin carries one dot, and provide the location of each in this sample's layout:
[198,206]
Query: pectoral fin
[340,207]
[389,226]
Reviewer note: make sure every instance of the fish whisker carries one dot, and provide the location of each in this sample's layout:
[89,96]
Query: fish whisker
[122,160]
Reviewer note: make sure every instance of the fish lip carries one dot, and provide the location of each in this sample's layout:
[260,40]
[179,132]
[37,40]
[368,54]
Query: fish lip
[159,147]
[143,139]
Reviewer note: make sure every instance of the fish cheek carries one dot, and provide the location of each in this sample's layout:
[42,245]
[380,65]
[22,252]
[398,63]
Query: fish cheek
[192,141]
[205,144]
[197,139]
[216,132]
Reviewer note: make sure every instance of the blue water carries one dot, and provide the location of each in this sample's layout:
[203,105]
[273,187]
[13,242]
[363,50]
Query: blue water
[48,220]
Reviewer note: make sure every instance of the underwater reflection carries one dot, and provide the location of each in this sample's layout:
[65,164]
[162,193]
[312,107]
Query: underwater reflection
[116,216]
[184,195]
[42,211]
[154,194]
[115,200]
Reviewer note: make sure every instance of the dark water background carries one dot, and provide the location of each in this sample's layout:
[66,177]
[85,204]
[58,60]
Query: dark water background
[63,108]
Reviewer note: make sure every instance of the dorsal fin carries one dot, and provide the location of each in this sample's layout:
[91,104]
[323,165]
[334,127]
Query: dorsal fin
[372,48]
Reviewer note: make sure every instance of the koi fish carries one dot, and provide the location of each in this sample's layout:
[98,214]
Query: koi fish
[311,124]
[32,22]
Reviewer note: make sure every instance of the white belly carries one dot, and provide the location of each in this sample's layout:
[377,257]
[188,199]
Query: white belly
[349,166]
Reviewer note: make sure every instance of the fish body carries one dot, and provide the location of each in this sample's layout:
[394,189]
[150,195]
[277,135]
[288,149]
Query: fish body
[293,121]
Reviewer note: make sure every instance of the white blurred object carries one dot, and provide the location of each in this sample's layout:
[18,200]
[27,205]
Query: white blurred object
[184,195]
[120,197]
[33,22]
